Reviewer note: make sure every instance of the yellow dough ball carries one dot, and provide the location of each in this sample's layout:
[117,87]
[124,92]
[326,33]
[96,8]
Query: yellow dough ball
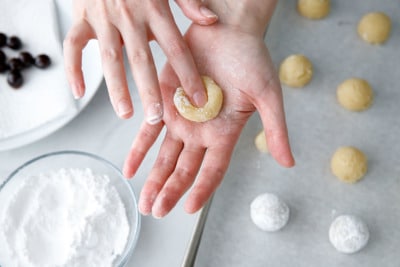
[355,94]
[200,114]
[374,28]
[261,142]
[314,9]
[349,164]
[296,71]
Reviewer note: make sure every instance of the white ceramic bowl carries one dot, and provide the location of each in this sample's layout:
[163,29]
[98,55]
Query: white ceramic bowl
[82,160]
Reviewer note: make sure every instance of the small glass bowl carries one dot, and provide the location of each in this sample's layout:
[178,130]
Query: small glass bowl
[82,160]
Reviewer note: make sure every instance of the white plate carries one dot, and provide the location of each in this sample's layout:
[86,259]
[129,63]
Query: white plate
[93,73]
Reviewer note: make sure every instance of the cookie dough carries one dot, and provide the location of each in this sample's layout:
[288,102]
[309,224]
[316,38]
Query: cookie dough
[348,234]
[355,94]
[269,213]
[296,71]
[261,142]
[314,9]
[349,164]
[200,114]
[374,27]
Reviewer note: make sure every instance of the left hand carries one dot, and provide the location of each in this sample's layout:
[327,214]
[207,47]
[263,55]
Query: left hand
[240,64]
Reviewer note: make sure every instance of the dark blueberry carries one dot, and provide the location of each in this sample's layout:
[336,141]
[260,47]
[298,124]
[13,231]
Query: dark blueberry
[42,61]
[4,67]
[3,39]
[15,79]
[15,64]
[3,56]
[27,59]
[14,43]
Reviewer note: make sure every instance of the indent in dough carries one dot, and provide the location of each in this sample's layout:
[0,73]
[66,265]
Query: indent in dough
[374,27]
[296,71]
[314,9]
[200,114]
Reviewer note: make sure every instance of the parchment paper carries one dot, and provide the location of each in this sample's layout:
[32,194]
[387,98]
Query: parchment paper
[318,125]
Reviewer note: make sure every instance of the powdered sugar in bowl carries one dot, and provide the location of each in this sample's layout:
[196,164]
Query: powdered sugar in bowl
[67,208]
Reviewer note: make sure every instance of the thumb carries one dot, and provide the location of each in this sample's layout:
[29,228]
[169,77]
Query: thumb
[196,11]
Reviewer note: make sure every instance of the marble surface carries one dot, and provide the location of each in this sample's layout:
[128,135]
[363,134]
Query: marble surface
[99,131]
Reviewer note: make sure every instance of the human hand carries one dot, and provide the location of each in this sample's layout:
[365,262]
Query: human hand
[240,63]
[133,23]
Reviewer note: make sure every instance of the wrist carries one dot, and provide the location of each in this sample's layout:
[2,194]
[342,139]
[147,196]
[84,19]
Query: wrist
[250,16]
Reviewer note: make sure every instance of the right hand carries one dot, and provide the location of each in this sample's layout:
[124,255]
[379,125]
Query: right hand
[133,23]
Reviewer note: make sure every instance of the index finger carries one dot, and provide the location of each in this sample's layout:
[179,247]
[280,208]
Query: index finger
[179,56]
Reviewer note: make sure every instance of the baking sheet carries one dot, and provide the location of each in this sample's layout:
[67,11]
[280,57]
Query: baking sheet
[318,125]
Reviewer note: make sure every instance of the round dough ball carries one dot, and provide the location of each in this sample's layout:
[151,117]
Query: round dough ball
[296,71]
[200,114]
[349,164]
[269,213]
[355,94]
[374,27]
[348,234]
[314,9]
[261,142]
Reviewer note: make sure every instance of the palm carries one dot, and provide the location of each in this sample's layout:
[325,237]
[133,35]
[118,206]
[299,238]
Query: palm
[240,64]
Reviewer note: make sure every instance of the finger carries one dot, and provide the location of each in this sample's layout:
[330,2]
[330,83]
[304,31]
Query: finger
[113,68]
[75,41]
[145,138]
[163,167]
[197,11]
[180,58]
[144,72]
[270,106]
[181,179]
[215,164]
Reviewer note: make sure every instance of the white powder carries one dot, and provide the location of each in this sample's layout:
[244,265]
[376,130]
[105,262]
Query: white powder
[69,217]
[269,212]
[348,234]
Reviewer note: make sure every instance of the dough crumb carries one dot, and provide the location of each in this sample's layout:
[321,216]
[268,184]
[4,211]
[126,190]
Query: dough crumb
[374,27]
[261,142]
[348,234]
[314,9]
[269,213]
[296,71]
[355,94]
[349,164]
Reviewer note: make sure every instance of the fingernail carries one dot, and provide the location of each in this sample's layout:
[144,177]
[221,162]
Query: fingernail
[76,91]
[124,108]
[154,113]
[159,210]
[200,99]
[207,13]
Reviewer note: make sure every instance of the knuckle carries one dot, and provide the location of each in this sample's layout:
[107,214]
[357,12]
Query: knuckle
[165,161]
[176,48]
[140,56]
[71,40]
[111,54]
[183,175]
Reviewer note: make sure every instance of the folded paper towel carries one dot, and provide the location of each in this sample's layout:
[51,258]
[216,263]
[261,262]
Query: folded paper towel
[45,95]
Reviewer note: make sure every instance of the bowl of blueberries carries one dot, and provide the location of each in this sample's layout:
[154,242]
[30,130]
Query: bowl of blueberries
[14,60]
